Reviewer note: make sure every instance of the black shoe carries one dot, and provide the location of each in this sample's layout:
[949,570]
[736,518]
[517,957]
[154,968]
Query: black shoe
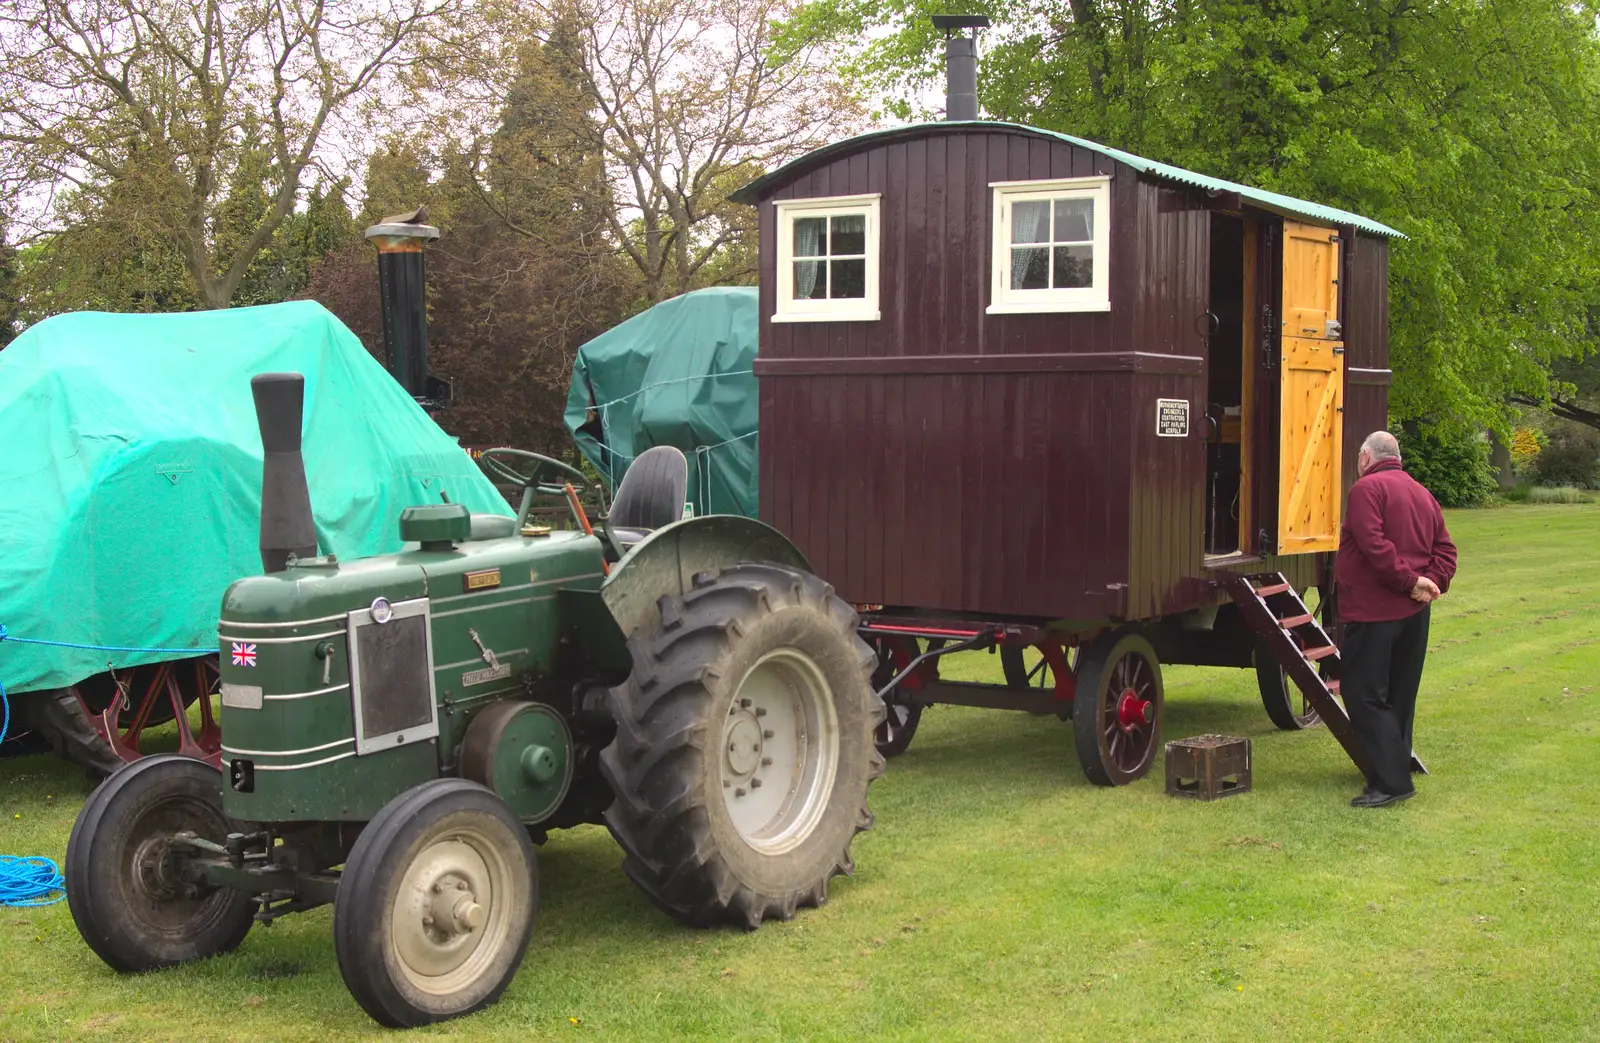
[1372,798]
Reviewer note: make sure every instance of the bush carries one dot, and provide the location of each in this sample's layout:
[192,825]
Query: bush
[1526,445]
[1453,466]
[1568,463]
[1559,494]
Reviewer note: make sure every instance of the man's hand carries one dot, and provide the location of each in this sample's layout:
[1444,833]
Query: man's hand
[1425,591]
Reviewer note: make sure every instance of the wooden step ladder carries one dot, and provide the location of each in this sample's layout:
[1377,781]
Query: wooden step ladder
[1274,610]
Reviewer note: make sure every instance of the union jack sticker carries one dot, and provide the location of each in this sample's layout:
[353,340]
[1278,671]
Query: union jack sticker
[244,653]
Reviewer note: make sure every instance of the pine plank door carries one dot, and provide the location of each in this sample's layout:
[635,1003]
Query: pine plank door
[1311,431]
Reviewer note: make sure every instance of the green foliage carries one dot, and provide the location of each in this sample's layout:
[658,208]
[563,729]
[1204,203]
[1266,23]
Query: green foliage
[1558,494]
[10,291]
[1472,128]
[1573,462]
[1452,463]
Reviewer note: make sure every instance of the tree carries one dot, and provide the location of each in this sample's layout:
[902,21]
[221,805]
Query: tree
[1472,128]
[1574,391]
[9,300]
[184,107]
[525,270]
[686,101]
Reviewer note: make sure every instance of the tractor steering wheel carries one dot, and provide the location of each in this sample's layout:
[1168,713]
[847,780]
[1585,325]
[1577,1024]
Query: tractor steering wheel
[545,475]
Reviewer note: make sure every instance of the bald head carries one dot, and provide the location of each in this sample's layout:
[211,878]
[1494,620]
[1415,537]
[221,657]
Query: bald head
[1379,446]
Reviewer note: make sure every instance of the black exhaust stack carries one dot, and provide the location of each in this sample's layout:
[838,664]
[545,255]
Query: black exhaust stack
[960,64]
[287,528]
[403,297]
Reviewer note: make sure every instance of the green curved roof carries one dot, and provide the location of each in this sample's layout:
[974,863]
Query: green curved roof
[1272,201]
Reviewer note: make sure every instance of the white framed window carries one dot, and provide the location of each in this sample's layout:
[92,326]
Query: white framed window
[1051,246]
[827,259]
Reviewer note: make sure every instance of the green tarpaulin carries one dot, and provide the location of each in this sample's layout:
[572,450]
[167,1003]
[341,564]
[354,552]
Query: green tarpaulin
[677,374]
[130,473]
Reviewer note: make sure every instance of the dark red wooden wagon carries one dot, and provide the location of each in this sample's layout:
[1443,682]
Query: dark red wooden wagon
[1019,389]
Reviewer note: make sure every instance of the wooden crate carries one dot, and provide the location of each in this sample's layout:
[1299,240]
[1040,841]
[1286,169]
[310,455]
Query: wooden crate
[1208,767]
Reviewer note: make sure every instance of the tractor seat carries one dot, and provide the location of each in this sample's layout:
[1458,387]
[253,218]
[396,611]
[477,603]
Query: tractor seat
[652,494]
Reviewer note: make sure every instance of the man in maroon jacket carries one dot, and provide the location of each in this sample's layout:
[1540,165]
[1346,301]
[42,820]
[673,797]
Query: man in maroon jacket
[1395,557]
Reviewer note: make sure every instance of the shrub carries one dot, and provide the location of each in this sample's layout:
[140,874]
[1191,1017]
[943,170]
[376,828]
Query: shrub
[1559,494]
[1453,466]
[1518,493]
[1526,445]
[1568,462]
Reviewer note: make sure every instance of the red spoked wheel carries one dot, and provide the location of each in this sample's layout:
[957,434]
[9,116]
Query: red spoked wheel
[903,712]
[1116,717]
[101,721]
[1045,667]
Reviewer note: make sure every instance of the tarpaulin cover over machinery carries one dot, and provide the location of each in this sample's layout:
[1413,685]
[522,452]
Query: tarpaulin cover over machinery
[130,480]
[677,374]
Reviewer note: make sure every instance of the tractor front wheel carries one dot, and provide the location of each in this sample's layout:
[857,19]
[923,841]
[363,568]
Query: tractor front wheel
[127,887]
[744,747]
[436,904]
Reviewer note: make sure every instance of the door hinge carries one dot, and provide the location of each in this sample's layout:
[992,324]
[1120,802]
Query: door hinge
[1269,332]
[1265,541]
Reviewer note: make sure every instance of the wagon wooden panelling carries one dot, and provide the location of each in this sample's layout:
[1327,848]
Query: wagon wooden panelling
[948,459]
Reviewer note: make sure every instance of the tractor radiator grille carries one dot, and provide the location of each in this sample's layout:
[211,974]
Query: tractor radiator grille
[392,677]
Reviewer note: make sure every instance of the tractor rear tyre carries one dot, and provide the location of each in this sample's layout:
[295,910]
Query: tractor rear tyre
[1116,716]
[744,747]
[129,897]
[1285,704]
[436,904]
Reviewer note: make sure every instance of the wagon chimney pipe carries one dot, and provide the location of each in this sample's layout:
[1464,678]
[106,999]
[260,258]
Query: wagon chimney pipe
[287,528]
[960,64]
[403,298]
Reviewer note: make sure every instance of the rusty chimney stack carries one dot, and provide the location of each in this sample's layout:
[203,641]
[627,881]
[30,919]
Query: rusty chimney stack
[403,298]
[960,64]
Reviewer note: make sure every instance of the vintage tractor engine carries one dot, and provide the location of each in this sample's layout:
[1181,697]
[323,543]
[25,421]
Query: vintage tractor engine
[397,731]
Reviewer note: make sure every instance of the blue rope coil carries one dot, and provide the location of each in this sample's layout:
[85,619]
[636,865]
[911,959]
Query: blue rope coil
[29,882]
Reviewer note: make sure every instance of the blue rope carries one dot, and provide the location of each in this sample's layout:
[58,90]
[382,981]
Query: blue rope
[4,636]
[29,882]
[5,703]
[32,881]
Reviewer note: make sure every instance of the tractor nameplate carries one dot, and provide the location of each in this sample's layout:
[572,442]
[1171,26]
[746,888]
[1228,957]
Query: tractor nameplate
[493,673]
[483,579]
[241,696]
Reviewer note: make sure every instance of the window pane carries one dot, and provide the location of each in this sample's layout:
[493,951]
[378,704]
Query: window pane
[1074,221]
[1030,222]
[1074,266]
[849,234]
[810,280]
[1030,268]
[849,278]
[810,237]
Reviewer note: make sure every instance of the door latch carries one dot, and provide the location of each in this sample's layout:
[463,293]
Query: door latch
[1332,329]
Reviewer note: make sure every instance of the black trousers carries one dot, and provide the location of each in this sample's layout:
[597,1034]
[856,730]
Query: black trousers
[1380,671]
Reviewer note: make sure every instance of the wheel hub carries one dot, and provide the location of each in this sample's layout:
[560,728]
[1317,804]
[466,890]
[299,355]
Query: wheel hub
[742,744]
[442,907]
[780,749]
[1133,712]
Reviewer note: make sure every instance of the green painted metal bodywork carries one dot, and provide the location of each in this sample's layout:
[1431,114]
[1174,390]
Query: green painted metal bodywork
[306,724]
[548,628]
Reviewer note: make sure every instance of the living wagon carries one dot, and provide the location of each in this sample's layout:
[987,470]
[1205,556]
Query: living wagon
[1020,389]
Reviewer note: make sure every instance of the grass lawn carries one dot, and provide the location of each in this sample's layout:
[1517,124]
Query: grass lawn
[1003,897]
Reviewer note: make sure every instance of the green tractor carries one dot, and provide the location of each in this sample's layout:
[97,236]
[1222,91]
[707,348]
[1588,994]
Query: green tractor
[398,731]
